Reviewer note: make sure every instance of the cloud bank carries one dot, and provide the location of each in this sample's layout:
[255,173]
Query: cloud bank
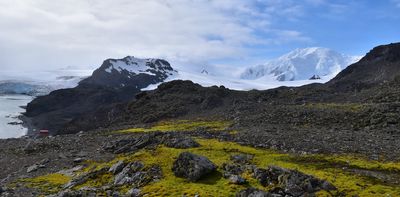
[45,34]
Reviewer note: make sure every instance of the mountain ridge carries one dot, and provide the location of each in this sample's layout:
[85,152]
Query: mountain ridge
[301,64]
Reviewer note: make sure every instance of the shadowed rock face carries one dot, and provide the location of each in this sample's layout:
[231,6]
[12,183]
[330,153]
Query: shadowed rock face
[379,65]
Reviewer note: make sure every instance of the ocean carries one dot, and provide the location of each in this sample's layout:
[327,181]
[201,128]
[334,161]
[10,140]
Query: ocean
[9,110]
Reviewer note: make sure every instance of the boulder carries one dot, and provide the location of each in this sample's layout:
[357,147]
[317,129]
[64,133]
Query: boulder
[292,182]
[192,167]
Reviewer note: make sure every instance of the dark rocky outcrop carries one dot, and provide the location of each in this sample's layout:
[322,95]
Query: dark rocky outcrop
[192,167]
[381,64]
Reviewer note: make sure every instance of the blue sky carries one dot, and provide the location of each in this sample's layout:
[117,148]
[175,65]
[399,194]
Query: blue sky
[47,34]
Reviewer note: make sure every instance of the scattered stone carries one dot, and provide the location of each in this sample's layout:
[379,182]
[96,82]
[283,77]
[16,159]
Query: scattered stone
[232,169]
[32,168]
[242,158]
[70,172]
[252,192]
[236,179]
[180,142]
[116,168]
[192,167]
[78,160]
[262,176]
[133,192]
[136,166]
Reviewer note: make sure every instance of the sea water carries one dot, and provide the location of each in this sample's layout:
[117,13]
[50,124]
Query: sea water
[10,109]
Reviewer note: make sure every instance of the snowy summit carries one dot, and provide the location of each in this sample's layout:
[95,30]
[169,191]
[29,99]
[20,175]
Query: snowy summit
[302,64]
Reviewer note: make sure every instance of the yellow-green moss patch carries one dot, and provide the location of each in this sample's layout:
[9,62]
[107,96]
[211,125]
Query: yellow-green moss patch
[334,168]
[47,184]
[220,152]
[182,125]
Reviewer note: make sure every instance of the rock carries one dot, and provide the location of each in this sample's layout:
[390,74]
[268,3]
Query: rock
[292,182]
[78,160]
[69,193]
[32,168]
[252,192]
[232,169]
[242,158]
[236,179]
[192,167]
[116,168]
[262,176]
[325,185]
[136,166]
[133,192]
[181,142]
[131,144]
[135,175]
[122,177]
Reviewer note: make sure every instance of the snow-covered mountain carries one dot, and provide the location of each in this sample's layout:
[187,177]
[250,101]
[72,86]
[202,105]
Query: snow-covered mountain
[130,71]
[302,64]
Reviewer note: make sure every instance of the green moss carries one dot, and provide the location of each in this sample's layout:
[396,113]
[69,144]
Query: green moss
[334,168]
[47,184]
[98,181]
[220,152]
[182,125]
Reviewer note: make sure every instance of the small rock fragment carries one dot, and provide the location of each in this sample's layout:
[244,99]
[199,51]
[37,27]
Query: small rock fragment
[32,168]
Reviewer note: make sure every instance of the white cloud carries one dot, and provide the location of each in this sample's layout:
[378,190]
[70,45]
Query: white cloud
[48,33]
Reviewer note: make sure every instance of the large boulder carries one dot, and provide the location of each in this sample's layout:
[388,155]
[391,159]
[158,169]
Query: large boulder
[292,182]
[192,167]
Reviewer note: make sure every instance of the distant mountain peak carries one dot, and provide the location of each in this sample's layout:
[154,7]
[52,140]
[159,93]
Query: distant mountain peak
[301,64]
[131,71]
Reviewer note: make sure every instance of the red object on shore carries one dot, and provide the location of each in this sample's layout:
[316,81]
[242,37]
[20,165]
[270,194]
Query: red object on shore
[44,132]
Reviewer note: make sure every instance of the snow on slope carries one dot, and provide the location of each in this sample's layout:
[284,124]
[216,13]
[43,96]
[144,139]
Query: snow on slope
[139,66]
[302,64]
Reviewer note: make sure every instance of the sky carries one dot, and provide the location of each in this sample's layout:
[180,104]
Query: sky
[48,34]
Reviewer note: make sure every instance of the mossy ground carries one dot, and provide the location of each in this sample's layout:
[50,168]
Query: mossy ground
[181,125]
[47,184]
[334,168]
[218,152]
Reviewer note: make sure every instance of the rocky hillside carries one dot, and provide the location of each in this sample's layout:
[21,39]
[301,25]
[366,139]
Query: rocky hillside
[116,81]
